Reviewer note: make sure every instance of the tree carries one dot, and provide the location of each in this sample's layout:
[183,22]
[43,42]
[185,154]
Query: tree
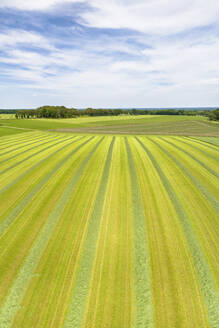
[214,115]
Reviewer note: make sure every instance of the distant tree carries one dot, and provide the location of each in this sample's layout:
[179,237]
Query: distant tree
[214,115]
[64,112]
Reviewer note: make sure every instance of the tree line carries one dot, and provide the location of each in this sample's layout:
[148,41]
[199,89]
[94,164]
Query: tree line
[214,115]
[64,112]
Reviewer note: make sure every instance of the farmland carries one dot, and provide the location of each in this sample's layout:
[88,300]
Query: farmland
[123,124]
[112,231]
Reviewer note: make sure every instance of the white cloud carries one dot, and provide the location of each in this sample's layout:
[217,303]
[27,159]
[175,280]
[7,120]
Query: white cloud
[172,71]
[12,38]
[33,4]
[151,16]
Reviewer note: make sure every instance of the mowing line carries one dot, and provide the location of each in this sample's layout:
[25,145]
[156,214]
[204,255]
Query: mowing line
[59,261]
[25,230]
[29,149]
[75,314]
[204,275]
[19,138]
[144,305]
[204,143]
[193,157]
[12,183]
[19,208]
[26,158]
[17,142]
[199,149]
[94,291]
[171,265]
[26,271]
[106,304]
[39,138]
[214,202]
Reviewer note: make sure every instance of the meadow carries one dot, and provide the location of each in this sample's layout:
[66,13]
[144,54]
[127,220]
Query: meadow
[122,124]
[108,231]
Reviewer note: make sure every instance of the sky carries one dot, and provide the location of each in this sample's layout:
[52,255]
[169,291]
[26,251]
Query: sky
[109,53]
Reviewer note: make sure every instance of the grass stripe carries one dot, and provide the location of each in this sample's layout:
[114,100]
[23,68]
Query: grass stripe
[12,183]
[56,271]
[19,142]
[214,202]
[76,309]
[20,236]
[29,149]
[203,143]
[17,290]
[191,156]
[200,149]
[144,306]
[20,138]
[26,158]
[18,209]
[205,279]
[110,296]
[177,298]
[16,148]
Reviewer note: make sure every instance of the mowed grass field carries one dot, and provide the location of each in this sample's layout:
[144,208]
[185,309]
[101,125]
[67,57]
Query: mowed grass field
[123,125]
[108,231]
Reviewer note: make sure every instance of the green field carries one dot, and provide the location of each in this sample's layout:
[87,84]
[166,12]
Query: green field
[123,125]
[109,231]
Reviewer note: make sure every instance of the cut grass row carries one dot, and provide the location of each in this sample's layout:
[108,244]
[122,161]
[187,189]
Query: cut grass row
[39,217]
[110,300]
[108,232]
[175,290]
[187,214]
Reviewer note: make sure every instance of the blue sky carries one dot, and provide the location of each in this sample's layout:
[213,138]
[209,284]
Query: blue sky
[109,53]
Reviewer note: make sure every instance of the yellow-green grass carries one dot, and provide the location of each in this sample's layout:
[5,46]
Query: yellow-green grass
[27,226]
[176,293]
[110,300]
[198,220]
[213,140]
[63,251]
[124,124]
[7,116]
[7,131]
[112,232]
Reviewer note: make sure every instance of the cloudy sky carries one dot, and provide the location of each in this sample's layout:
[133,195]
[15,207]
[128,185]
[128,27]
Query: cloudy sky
[109,53]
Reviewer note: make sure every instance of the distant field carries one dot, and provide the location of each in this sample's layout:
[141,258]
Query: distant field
[125,124]
[213,140]
[117,232]
[6,116]
[8,130]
